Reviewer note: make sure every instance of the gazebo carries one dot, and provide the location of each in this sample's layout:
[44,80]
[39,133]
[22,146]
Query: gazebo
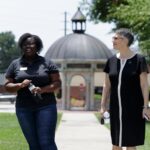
[79,54]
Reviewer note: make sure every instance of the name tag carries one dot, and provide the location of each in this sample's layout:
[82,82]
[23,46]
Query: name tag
[23,68]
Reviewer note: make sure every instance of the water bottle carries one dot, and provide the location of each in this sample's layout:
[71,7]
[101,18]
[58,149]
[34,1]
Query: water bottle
[31,87]
[36,96]
[106,118]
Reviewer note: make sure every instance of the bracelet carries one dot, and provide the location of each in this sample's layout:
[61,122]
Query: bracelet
[147,107]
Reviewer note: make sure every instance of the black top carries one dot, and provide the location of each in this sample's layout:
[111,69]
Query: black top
[126,100]
[39,72]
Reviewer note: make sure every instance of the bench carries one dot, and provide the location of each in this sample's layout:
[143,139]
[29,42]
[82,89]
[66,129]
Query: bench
[10,98]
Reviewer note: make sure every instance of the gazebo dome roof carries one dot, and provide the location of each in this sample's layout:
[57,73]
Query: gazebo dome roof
[78,46]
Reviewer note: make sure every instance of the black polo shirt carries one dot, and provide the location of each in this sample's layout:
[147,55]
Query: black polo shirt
[39,72]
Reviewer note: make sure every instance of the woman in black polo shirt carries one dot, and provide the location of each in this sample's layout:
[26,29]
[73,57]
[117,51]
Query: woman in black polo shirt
[34,79]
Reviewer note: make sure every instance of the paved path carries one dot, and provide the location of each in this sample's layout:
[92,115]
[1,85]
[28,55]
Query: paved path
[82,131]
[79,130]
[7,107]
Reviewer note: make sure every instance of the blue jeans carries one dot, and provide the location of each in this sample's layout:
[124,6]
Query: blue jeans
[38,126]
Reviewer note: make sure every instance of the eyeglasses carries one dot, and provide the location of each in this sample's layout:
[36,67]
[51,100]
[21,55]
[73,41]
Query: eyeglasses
[116,38]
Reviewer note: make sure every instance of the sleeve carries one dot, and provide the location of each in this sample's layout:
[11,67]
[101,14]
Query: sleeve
[52,68]
[106,68]
[143,65]
[10,71]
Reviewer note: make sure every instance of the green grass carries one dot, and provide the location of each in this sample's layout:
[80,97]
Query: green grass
[147,138]
[97,97]
[146,146]
[11,137]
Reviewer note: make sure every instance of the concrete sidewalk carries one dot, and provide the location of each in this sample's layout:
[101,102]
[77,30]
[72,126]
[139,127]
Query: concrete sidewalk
[78,130]
[7,107]
[82,131]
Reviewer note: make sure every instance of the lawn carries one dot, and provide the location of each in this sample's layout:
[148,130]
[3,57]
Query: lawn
[11,137]
[147,135]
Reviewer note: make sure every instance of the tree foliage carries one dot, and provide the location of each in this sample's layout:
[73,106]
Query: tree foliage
[133,14]
[8,50]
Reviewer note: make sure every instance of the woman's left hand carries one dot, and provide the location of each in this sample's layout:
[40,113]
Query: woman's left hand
[146,113]
[37,90]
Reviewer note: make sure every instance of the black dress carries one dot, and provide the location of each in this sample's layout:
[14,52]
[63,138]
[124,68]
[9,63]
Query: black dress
[126,100]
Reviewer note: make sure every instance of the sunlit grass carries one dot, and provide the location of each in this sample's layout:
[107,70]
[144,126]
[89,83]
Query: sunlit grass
[11,137]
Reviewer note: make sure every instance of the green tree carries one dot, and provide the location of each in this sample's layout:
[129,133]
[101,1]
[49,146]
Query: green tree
[8,50]
[133,14]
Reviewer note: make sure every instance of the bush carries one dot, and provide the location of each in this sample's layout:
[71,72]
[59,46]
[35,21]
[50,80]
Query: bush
[97,97]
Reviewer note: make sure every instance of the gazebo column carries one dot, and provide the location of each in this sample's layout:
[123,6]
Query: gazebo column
[68,92]
[87,107]
[92,91]
[64,95]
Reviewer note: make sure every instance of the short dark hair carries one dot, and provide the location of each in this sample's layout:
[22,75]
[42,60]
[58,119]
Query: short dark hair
[126,33]
[38,41]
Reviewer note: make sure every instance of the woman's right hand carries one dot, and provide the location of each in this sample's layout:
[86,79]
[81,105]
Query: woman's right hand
[25,83]
[14,87]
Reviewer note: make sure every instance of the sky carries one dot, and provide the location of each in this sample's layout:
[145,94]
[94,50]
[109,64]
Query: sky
[45,18]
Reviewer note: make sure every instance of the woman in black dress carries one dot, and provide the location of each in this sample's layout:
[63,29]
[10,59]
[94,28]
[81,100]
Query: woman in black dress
[127,87]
